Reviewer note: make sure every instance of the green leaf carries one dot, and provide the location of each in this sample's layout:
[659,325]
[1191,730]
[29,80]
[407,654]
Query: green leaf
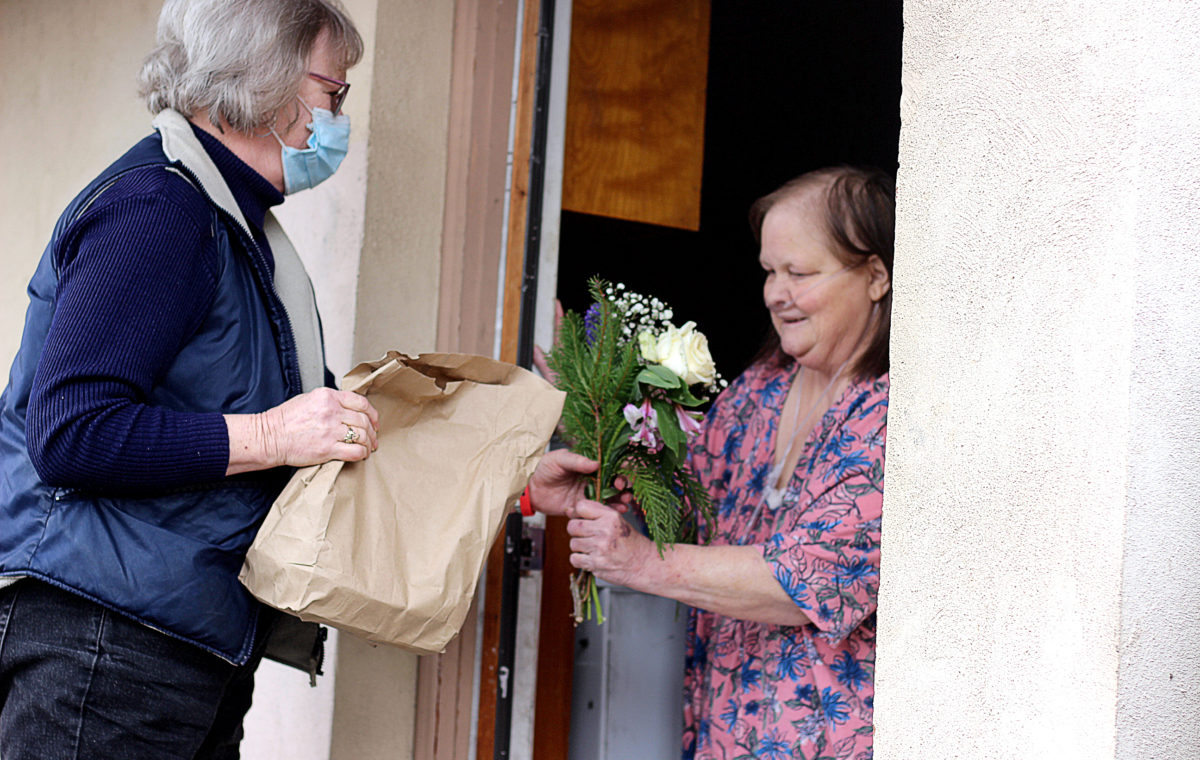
[660,377]
[670,461]
[599,378]
[701,509]
[683,396]
[668,427]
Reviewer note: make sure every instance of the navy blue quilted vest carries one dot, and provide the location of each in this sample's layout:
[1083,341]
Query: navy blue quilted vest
[169,560]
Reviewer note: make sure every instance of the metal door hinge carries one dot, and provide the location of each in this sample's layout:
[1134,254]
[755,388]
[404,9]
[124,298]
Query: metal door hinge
[532,550]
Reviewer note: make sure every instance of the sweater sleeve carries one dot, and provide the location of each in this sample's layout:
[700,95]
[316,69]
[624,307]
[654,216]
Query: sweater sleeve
[137,277]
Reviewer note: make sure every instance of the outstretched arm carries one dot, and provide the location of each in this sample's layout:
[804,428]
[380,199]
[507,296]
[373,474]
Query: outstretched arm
[559,480]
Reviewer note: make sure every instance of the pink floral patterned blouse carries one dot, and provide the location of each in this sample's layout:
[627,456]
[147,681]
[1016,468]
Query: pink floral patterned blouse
[754,690]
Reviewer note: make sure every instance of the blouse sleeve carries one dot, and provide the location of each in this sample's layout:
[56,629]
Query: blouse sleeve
[826,555]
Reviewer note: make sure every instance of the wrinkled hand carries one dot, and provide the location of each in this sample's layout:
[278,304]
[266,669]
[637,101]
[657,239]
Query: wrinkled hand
[312,428]
[606,544]
[558,481]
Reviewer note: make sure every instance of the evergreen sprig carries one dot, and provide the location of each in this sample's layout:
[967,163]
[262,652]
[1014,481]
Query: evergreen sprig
[599,377]
[674,504]
[659,504]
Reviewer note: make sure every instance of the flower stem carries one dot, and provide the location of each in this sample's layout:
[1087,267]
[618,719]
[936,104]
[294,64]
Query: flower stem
[596,601]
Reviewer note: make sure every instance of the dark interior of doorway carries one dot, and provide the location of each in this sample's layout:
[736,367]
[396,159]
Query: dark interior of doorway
[793,85]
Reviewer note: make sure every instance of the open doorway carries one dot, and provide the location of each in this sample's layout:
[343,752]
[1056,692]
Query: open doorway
[791,86]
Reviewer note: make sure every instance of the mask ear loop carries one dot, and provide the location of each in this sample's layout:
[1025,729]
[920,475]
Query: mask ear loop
[273,133]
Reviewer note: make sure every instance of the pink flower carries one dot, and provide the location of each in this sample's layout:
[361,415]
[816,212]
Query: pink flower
[688,422]
[644,421]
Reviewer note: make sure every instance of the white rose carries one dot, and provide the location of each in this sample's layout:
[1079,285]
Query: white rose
[669,350]
[684,351]
[699,361]
[646,343]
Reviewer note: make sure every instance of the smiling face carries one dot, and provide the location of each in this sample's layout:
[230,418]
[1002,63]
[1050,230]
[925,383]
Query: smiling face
[820,307]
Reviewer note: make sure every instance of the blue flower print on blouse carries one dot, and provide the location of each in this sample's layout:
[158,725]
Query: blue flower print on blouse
[757,690]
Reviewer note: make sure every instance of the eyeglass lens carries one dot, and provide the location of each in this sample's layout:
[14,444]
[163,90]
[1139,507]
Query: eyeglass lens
[336,98]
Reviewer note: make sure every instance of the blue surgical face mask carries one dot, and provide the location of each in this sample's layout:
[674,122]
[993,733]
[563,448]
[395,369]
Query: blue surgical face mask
[327,146]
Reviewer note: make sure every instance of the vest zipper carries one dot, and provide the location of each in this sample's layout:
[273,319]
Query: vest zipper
[260,264]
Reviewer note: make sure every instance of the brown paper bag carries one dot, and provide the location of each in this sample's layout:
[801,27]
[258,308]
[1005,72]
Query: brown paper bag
[390,548]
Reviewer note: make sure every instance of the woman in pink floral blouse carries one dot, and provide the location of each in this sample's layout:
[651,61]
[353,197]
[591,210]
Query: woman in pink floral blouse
[781,657]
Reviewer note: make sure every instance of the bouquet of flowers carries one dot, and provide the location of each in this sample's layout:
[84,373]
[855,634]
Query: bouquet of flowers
[631,379]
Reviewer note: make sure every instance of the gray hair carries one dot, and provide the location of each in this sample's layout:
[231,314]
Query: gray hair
[240,60]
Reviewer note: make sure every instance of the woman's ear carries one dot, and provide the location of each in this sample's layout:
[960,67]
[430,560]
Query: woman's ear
[881,281]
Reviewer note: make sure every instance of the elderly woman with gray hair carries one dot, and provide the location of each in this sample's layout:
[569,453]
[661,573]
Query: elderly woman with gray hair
[170,374]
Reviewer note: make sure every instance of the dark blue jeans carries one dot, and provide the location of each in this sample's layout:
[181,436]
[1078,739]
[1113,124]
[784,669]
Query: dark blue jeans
[79,681]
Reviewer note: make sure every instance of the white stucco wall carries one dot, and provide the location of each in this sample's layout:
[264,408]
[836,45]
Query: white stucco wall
[1047,159]
[1158,687]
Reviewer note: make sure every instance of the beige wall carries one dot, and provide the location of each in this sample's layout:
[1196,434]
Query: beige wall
[396,306]
[410,106]
[1040,531]
[67,70]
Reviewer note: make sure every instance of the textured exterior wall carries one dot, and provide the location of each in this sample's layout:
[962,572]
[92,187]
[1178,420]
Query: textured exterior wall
[67,72]
[1159,682]
[410,112]
[1033,310]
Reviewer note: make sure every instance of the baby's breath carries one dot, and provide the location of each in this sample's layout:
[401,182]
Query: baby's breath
[641,313]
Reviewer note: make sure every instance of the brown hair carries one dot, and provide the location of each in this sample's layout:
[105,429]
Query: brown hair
[860,219]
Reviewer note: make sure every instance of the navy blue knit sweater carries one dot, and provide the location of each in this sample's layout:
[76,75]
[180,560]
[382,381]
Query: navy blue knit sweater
[137,278]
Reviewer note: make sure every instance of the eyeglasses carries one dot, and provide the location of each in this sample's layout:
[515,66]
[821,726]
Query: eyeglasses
[338,96]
